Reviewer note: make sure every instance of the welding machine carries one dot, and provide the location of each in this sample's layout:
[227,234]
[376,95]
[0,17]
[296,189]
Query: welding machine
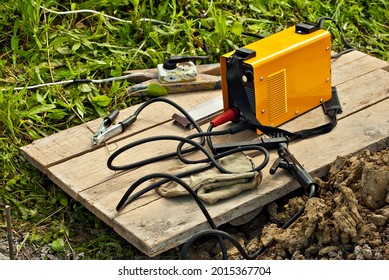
[279,77]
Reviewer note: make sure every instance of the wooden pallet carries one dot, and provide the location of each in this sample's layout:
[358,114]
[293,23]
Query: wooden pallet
[154,224]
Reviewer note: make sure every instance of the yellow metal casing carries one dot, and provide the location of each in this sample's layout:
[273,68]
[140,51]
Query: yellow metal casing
[290,74]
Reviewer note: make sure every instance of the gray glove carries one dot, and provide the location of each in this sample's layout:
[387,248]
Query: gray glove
[211,185]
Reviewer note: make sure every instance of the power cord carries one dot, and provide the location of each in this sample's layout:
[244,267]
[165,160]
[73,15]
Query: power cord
[98,13]
[320,23]
[74,81]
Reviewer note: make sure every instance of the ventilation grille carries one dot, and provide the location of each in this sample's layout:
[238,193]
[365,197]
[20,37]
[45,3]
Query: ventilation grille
[277,94]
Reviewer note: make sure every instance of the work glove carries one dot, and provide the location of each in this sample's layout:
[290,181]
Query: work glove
[212,185]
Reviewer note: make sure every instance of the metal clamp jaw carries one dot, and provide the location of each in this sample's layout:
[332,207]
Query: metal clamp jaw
[288,162]
[103,133]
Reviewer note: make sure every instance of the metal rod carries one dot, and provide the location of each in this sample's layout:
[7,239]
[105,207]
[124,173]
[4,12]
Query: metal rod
[9,232]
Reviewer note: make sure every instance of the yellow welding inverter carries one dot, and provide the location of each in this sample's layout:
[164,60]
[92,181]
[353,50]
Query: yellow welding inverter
[281,76]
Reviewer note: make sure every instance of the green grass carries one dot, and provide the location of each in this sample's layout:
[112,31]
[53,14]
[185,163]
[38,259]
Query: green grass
[38,46]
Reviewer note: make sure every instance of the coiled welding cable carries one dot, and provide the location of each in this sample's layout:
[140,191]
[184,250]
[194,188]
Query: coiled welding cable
[126,199]
[154,138]
[169,177]
[209,158]
[212,160]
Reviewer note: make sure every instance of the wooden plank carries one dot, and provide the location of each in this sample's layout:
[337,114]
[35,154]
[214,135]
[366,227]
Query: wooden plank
[157,227]
[76,141]
[359,67]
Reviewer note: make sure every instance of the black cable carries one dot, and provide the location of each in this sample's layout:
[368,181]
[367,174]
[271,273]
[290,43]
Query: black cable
[207,134]
[242,251]
[151,139]
[253,35]
[177,178]
[334,56]
[320,23]
[179,181]
[241,126]
[126,199]
[196,146]
[208,138]
[232,130]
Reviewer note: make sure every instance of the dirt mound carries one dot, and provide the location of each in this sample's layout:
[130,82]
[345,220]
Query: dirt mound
[348,220]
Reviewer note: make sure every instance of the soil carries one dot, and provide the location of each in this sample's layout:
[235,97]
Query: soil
[347,220]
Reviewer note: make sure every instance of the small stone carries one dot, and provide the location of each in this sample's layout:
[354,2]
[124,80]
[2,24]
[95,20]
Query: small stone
[333,254]
[375,243]
[327,249]
[385,158]
[363,252]
[337,165]
[378,220]
[312,250]
[297,256]
[373,187]
[384,211]
[366,251]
